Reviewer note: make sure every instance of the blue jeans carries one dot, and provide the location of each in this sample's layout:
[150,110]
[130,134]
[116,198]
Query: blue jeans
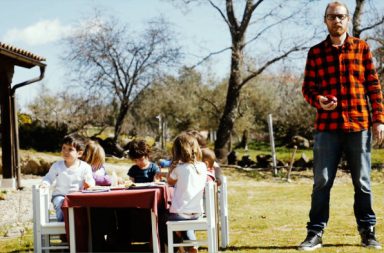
[327,150]
[57,202]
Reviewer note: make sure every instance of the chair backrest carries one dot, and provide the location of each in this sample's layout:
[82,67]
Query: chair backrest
[224,212]
[210,204]
[40,198]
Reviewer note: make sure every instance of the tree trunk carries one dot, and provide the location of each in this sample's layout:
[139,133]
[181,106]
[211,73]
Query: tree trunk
[120,119]
[231,104]
[356,19]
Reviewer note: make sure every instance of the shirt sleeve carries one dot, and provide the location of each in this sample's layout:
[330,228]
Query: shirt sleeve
[51,175]
[373,87]
[103,179]
[309,88]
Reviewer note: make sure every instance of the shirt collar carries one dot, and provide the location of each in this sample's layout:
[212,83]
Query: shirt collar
[347,42]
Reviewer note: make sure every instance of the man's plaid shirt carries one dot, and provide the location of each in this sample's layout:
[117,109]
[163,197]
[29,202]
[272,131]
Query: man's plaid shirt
[348,73]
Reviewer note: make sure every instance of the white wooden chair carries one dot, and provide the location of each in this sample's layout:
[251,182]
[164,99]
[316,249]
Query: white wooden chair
[43,228]
[207,223]
[224,224]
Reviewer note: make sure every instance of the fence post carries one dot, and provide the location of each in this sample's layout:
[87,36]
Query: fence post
[272,142]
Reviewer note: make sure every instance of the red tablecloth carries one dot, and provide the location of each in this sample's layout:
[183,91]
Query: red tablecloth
[155,198]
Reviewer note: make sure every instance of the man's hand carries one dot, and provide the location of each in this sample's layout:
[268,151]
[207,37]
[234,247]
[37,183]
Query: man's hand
[327,104]
[378,133]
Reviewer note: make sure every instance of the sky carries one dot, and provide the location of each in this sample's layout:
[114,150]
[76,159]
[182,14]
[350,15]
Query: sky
[40,25]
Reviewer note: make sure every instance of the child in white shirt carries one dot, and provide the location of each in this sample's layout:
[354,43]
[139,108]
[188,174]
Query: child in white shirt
[189,177]
[70,174]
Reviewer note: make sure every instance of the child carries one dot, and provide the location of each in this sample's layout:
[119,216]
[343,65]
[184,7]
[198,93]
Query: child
[94,155]
[208,157]
[70,174]
[143,171]
[203,145]
[189,177]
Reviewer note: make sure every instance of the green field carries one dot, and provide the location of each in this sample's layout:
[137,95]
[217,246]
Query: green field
[268,214]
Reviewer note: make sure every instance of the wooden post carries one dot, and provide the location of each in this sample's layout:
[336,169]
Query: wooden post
[6,75]
[272,142]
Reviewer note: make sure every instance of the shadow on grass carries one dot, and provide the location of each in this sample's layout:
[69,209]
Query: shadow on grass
[240,248]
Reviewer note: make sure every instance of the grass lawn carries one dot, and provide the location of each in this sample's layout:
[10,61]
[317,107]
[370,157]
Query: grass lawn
[269,215]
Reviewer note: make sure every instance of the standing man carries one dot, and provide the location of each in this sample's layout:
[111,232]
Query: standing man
[342,84]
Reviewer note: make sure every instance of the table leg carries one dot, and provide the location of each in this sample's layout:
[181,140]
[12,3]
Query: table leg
[155,239]
[72,235]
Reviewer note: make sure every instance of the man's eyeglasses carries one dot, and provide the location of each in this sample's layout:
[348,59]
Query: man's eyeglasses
[334,16]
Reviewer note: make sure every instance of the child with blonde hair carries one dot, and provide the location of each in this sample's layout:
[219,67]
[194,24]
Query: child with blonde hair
[189,176]
[94,155]
[203,145]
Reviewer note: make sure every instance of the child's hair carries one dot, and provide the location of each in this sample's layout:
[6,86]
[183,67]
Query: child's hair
[199,137]
[186,148]
[94,154]
[138,149]
[75,141]
[208,156]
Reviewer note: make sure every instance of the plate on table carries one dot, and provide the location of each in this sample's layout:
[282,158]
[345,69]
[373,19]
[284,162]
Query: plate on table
[96,189]
[137,185]
[117,187]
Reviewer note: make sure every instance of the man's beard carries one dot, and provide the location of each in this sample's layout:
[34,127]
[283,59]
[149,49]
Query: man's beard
[337,31]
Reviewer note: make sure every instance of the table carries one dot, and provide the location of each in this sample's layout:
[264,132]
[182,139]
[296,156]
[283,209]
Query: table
[155,198]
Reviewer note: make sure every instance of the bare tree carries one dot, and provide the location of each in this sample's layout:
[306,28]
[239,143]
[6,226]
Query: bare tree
[357,27]
[117,63]
[240,73]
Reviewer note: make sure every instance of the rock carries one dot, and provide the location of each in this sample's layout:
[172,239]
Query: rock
[303,162]
[246,161]
[232,158]
[299,141]
[14,231]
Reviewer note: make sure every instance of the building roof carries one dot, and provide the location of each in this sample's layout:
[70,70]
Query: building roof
[20,57]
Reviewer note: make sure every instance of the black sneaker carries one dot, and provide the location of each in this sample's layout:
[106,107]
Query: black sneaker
[368,238]
[312,241]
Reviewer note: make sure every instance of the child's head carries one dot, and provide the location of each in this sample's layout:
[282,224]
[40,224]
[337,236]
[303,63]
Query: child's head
[208,156]
[72,148]
[139,152]
[94,155]
[186,148]
[199,137]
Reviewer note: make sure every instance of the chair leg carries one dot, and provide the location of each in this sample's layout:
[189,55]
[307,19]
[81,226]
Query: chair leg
[38,245]
[170,241]
[46,242]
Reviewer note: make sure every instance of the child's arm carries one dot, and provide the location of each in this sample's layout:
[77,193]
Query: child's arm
[217,169]
[157,176]
[88,180]
[49,177]
[170,180]
[101,178]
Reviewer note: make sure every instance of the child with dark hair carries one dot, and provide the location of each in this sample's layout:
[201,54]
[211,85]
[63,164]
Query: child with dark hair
[71,174]
[209,157]
[144,170]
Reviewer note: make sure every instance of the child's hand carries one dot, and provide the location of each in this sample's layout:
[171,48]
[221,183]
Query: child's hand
[43,186]
[157,177]
[86,185]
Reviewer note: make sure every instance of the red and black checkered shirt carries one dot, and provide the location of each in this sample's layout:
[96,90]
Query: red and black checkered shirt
[348,73]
